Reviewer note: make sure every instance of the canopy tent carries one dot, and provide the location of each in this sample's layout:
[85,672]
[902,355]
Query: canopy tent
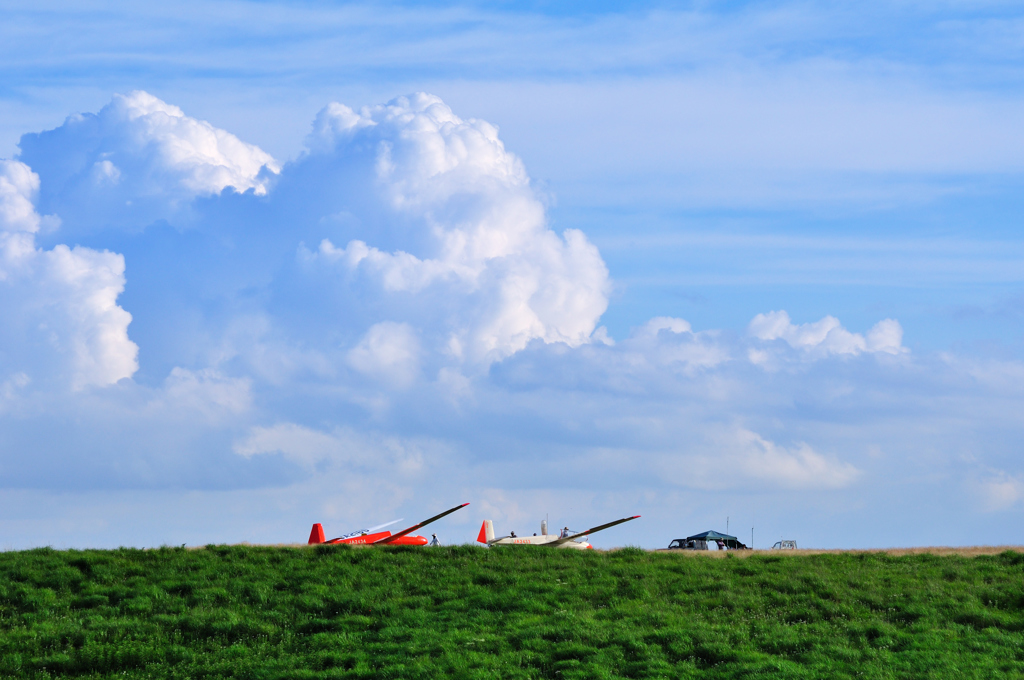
[711,536]
[700,541]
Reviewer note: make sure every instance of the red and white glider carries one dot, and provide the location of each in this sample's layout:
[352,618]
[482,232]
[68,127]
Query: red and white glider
[373,537]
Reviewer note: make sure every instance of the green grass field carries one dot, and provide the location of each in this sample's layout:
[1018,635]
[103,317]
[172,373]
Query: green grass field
[328,611]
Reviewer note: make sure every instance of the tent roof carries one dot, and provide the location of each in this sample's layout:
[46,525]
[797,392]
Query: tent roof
[711,536]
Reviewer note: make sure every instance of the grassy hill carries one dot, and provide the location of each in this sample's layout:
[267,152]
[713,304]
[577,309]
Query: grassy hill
[328,611]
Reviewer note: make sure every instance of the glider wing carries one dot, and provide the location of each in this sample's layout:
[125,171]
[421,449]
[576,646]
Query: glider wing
[422,524]
[592,531]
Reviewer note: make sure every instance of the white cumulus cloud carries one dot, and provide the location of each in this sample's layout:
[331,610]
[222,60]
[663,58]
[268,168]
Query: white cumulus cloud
[59,306]
[302,444]
[389,351]
[18,189]
[207,391]
[1001,491]
[668,341]
[137,160]
[454,215]
[737,457]
[799,466]
[828,336]
[341,447]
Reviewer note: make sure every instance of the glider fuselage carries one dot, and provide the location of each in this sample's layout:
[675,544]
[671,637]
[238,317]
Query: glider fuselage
[541,540]
[367,539]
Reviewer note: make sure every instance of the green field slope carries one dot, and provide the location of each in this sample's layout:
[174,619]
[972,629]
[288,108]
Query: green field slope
[328,611]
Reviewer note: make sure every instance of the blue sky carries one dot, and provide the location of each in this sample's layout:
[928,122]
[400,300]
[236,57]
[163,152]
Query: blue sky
[761,261]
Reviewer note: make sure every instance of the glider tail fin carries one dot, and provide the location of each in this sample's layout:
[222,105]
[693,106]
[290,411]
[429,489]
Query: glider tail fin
[486,532]
[316,535]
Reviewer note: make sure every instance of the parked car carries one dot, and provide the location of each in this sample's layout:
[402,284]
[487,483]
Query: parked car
[784,545]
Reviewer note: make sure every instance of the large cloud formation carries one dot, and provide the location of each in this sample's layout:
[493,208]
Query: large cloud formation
[392,307]
[449,192]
